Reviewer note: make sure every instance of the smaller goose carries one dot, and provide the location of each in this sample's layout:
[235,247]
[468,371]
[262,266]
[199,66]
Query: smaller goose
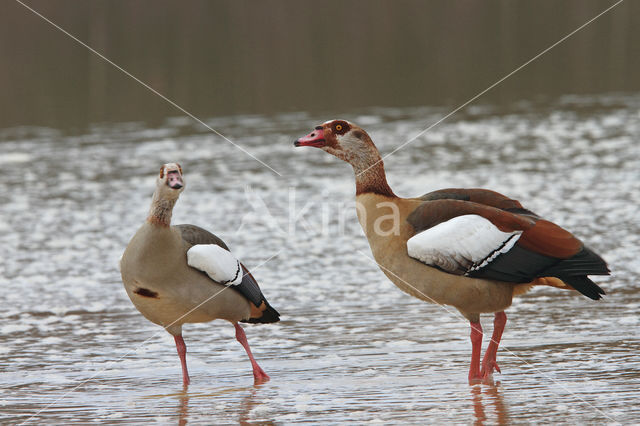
[185,274]
[473,249]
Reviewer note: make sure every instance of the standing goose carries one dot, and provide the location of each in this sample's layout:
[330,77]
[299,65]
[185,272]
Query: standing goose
[473,249]
[185,274]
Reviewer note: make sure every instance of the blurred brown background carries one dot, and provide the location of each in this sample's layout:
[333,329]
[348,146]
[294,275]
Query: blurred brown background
[227,57]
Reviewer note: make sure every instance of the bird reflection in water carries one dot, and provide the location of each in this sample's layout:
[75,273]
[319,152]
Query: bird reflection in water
[183,408]
[485,396]
[248,403]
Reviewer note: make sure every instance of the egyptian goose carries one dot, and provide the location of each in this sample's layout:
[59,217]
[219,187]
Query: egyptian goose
[473,249]
[185,274]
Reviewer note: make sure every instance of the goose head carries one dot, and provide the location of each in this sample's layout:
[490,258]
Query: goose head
[170,182]
[344,140]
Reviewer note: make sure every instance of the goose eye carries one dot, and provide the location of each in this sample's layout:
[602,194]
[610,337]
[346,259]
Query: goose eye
[338,127]
[161,172]
[180,168]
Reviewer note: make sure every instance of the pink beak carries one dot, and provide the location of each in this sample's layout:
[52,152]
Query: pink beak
[174,180]
[315,138]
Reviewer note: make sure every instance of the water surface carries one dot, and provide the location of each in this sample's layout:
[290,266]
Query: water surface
[350,346]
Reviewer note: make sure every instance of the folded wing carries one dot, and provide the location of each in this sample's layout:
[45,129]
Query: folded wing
[478,240]
[210,254]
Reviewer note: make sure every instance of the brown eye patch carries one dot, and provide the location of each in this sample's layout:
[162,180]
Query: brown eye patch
[180,168]
[161,172]
[341,127]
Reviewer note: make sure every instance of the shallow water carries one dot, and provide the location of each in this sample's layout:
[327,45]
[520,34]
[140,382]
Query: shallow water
[350,346]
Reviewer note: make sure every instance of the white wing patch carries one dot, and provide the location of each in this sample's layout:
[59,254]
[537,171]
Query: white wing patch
[461,245]
[218,263]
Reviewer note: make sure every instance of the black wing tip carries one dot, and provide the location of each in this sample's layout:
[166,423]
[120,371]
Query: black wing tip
[269,315]
[585,286]
[585,262]
[590,263]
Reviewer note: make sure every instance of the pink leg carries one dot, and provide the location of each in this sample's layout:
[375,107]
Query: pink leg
[476,348]
[182,353]
[489,360]
[259,375]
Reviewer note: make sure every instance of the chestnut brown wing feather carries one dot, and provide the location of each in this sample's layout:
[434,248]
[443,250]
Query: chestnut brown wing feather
[480,196]
[431,213]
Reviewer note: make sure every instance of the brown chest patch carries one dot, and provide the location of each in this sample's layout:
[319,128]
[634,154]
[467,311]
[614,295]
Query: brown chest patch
[145,292]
